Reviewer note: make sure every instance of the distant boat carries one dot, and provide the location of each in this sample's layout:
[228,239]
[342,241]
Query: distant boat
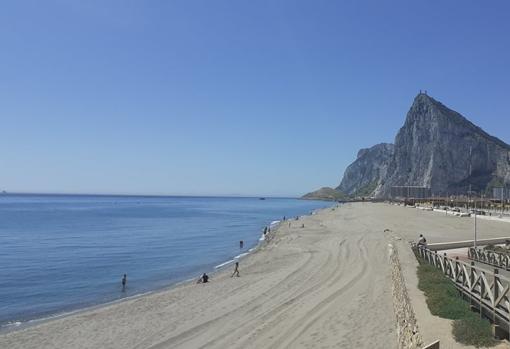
[262,198]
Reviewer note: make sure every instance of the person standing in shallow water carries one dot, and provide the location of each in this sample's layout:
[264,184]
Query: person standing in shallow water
[124,281]
[241,244]
[236,270]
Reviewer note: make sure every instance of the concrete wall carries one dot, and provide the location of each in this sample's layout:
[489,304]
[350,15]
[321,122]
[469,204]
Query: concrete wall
[467,243]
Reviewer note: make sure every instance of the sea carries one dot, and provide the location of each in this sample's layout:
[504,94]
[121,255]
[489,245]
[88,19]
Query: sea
[62,253]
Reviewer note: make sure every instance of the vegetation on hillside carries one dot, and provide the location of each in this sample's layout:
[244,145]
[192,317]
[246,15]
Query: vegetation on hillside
[327,193]
[366,190]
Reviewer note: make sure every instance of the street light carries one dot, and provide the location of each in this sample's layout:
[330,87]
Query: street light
[473,195]
[475,224]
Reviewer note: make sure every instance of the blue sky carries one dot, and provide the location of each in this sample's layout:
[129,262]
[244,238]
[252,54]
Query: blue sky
[231,97]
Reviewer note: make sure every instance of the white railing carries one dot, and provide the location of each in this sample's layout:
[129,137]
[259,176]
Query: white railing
[500,260]
[487,291]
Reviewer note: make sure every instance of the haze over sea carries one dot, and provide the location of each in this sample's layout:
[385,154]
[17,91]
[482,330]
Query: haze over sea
[62,252]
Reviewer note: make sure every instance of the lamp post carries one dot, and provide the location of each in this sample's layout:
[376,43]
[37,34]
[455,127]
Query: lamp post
[473,195]
[475,223]
[502,201]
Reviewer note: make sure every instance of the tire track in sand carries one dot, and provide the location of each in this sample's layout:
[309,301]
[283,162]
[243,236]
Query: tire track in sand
[194,331]
[278,310]
[305,322]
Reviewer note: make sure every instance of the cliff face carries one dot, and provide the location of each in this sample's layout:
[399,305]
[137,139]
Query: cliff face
[437,148]
[365,174]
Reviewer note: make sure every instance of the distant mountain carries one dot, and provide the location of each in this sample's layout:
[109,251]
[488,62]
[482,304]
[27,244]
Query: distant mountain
[326,193]
[437,148]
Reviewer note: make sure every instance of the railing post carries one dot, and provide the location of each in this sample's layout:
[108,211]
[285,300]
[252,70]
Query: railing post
[471,282]
[445,262]
[457,268]
[495,294]
[482,291]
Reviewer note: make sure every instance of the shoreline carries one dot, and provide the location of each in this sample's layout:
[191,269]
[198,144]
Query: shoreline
[319,282]
[14,326]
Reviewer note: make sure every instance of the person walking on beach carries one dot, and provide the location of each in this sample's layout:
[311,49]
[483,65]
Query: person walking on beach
[203,279]
[236,270]
[124,281]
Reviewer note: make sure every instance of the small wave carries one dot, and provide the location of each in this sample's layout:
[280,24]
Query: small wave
[274,223]
[224,263]
[11,324]
[241,255]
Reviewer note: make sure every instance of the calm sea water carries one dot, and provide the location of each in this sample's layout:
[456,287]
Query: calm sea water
[60,253]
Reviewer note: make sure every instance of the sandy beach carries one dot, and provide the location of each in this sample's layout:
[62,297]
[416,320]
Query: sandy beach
[326,285]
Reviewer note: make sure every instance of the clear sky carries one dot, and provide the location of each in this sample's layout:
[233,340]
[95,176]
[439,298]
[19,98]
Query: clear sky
[232,97]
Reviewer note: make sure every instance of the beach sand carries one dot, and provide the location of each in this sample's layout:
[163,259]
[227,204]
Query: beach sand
[326,285]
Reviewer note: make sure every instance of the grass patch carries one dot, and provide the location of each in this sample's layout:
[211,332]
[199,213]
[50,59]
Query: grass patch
[443,300]
[472,330]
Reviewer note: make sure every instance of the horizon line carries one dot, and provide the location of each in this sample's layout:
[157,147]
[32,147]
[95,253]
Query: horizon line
[17,193]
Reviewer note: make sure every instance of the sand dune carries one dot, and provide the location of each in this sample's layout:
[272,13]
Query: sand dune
[326,285]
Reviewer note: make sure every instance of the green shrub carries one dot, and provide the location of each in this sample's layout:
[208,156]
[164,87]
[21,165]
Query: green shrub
[442,297]
[443,300]
[472,330]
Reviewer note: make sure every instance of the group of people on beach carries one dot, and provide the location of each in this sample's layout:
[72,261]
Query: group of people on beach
[204,278]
